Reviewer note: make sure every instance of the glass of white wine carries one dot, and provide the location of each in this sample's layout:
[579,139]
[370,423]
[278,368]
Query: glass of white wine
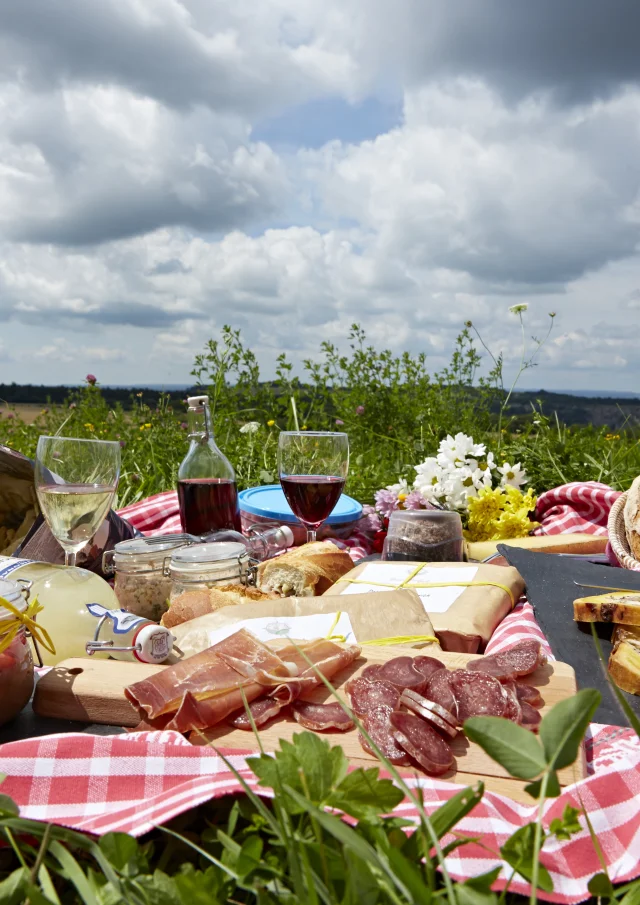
[76,481]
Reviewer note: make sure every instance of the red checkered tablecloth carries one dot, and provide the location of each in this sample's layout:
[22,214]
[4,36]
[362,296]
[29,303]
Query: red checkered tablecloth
[135,782]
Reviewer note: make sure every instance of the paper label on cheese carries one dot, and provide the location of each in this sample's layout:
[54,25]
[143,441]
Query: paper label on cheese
[387,576]
[300,628]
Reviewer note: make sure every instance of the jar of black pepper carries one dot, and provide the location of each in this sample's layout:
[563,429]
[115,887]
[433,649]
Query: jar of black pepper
[424,535]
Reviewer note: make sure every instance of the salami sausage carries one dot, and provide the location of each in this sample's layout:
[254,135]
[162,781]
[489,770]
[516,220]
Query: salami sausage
[512,711]
[422,742]
[370,672]
[429,711]
[427,666]
[365,694]
[477,694]
[262,710]
[529,694]
[439,690]
[377,724]
[531,718]
[321,716]
[402,673]
[520,660]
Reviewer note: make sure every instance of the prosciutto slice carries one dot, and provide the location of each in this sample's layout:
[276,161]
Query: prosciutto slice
[326,657]
[216,676]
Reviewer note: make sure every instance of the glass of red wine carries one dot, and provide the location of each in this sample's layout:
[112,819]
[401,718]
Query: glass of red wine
[313,468]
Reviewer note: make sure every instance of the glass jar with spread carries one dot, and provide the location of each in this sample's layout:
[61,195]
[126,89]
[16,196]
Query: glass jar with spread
[203,566]
[142,583]
[16,662]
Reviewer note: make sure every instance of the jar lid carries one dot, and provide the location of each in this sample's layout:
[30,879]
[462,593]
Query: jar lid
[133,554]
[270,502]
[197,556]
[12,593]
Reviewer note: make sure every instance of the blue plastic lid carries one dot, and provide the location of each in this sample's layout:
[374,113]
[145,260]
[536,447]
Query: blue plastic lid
[269,501]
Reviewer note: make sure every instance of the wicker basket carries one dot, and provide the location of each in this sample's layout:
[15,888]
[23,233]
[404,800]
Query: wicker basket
[618,535]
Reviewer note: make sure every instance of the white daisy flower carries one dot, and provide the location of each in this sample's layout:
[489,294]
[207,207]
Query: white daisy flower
[512,475]
[250,427]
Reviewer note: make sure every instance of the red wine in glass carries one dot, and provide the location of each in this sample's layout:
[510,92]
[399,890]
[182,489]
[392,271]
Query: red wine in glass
[208,504]
[312,497]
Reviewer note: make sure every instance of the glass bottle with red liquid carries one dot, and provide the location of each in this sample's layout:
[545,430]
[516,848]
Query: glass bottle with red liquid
[207,490]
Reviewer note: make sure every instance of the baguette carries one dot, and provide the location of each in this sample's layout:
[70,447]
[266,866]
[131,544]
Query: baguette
[624,666]
[306,571]
[617,606]
[192,604]
[632,518]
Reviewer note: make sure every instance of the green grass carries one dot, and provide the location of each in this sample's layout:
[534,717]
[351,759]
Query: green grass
[394,410]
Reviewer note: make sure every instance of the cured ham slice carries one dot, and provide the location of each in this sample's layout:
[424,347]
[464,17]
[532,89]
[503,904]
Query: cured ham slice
[427,665]
[477,694]
[439,690]
[529,694]
[366,694]
[520,660]
[262,710]
[402,673]
[218,673]
[428,710]
[377,724]
[422,742]
[321,716]
[326,656]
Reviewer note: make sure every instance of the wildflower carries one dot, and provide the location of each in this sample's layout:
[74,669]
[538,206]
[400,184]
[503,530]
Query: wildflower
[415,500]
[360,410]
[72,405]
[56,454]
[518,309]
[270,422]
[304,428]
[91,379]
[183,425]
[44,412]
[339,423]
[552,314]
[250,427]
[10,415]
[386,502]
[147,426]
[612,437]
[122,444]
[89,426]
[139,395]
[513,475]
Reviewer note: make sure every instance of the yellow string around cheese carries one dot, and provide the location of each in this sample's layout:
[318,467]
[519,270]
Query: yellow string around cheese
[11,625]
[380,642]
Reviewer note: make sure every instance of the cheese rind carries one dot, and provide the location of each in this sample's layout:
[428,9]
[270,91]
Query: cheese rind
[624,666]
[617,606]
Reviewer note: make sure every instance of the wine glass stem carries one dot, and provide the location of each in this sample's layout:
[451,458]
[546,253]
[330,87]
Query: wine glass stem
[311,535]
[70,558]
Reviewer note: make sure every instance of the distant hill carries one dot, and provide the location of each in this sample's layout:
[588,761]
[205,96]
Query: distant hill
[570,407]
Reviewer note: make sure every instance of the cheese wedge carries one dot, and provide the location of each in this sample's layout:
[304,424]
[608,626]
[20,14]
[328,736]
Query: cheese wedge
[626,633]
[624,666]
[617,606]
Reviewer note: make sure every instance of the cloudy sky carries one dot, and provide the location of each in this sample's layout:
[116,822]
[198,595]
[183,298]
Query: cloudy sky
[292,166]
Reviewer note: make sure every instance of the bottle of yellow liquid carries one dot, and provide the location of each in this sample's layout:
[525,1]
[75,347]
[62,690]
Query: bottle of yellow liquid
[64,594]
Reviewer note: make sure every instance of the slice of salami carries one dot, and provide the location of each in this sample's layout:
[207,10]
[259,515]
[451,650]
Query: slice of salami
[426,710]
[439,690]
[512,710]
[370,672]
[365,694]
[402,673]
[520,660]
[433,706]
[531,718]
[422,742]
[321,716]
[427,665]
[477,694]
[262,710]
[378,725]
[529,694]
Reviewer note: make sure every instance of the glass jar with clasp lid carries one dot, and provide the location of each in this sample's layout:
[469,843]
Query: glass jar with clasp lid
[142,581]
[203,566]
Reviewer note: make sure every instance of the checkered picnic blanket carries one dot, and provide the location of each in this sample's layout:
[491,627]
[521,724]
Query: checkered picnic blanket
[135,782]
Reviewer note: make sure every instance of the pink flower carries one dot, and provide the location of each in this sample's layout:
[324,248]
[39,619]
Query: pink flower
[370,519]
[10,415]
[183,425]
[386,502]
[91,379]
[122,444]
[360,410]
[415,500]
[339,423]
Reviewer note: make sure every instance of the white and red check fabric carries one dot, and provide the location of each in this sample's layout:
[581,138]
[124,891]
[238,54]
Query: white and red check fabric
[135,782]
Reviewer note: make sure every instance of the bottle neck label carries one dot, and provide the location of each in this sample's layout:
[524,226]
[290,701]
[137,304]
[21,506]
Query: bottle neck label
[8,565]
[122,622]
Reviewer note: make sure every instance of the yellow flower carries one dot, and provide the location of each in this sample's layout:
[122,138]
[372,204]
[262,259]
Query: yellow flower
[304,427]
[612,437]
[147,426]
[270,423]
[90,427]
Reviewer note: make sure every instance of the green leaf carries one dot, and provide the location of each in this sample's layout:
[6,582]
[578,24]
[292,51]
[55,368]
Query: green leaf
[513,747]
[563,728]
[600,885]
[160,889]
[35,896]
[46,884]
[12,889]
[124,853]
[73,872]
[632,897]
[361,794]
[567,825]
[518,852]
[553,787]
[249,857]
[477,890]
[409,874]
[458,806]
[8,806]
[198,888]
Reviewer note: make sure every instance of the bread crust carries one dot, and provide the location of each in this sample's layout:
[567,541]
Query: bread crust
[632,518]
[305,571]
[191,604]
[618,606]
[624,666]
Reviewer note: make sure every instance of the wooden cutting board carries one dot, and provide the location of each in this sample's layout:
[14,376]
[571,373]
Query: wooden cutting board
[93,691]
